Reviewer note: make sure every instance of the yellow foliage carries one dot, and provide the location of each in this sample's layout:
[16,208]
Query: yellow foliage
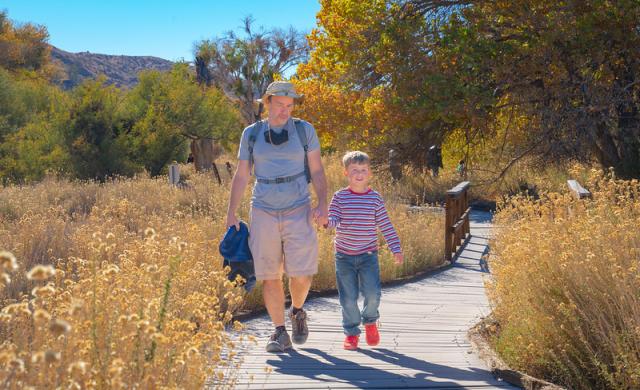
[566,287]
[121,283]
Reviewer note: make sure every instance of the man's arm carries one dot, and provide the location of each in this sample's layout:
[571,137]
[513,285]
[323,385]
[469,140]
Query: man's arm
[238,185]
[319,181]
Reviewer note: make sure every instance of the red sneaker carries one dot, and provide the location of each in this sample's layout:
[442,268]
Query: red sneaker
[350,343]
[373,336]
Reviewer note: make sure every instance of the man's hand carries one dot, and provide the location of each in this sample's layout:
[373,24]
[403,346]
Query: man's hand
[398,258]
[232,220]
[321,215]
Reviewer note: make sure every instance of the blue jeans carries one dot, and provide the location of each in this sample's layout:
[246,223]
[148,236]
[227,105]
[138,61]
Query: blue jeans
[358,274]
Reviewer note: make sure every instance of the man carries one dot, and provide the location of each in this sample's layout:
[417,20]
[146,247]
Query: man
[282,237]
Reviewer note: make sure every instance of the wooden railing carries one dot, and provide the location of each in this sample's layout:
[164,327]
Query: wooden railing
[457,218]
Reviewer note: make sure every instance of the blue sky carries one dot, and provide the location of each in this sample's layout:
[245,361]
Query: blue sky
[165,29]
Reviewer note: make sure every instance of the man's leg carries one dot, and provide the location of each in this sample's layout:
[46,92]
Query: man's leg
[300,247]
[299,287]
[266,248]
[273,294]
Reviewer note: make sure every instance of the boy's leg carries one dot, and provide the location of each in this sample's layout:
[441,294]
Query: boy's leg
[347,281]
[369,273]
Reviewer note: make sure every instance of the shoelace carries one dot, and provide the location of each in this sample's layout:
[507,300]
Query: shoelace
[277,334]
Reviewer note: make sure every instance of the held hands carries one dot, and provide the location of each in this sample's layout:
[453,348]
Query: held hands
[398,258]
[321,215]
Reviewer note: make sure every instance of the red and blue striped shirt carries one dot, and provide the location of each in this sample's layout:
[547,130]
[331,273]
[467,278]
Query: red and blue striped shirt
[356,217]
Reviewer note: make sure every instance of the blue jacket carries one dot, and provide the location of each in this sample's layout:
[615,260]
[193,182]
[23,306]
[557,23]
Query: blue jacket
[234,248]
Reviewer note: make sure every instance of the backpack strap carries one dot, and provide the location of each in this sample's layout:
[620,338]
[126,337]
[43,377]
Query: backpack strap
[253,135]
[302,135]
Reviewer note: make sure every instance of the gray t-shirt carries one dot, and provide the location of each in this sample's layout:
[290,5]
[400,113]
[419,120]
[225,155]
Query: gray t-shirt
[272,161]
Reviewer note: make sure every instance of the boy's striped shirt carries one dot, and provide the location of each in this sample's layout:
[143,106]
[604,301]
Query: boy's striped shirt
[356,217]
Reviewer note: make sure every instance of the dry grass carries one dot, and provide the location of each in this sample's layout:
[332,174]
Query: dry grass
[566,289]
[138,296]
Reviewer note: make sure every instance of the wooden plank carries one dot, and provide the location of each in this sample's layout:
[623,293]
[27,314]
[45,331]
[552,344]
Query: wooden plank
[459,189]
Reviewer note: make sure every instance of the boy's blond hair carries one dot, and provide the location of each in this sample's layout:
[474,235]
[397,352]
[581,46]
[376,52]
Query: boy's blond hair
[355,157]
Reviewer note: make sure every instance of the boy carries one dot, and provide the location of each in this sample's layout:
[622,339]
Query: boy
[357,212]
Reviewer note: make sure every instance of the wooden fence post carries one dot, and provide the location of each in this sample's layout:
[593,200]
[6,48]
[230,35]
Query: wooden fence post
[456,218]
[174,174]
[229,169]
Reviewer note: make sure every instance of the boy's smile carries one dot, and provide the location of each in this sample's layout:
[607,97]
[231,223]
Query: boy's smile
[358,176]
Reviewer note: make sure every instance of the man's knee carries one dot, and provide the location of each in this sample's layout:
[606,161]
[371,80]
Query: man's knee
[272,283]
[305,279]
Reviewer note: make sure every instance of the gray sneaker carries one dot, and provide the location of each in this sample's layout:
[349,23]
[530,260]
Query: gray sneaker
[299,328]
[279,342]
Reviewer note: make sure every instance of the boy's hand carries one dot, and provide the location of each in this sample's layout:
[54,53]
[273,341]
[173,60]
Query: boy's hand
[398,258]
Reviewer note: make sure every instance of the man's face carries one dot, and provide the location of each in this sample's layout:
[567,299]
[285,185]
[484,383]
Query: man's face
[280,110]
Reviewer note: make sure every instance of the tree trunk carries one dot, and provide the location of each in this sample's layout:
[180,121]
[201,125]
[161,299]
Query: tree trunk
[629,144]
[205,151]
[203,76]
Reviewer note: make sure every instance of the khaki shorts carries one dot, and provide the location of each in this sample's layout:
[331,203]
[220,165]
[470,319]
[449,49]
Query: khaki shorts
[283,240]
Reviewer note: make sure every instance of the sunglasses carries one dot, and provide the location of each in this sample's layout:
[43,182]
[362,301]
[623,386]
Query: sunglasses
[271,137]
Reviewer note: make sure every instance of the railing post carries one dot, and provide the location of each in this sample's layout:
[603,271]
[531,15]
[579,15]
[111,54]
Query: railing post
[456,218]
[174,174]
[448,240]
[465,206]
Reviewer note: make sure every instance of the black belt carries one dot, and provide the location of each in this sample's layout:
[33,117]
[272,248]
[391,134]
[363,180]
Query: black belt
[280,180]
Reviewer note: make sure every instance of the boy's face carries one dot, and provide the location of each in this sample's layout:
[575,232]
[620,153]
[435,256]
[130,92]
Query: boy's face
[358,175]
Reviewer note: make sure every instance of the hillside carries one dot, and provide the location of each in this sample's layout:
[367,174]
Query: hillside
[120,70]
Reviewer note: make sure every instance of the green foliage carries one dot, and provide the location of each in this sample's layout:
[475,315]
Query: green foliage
[91,132]
[30,141]
[98,131]
[21,99]
[34,150]
[169,109]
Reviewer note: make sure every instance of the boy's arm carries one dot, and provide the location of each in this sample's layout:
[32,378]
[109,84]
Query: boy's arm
[335,212]
[384,224]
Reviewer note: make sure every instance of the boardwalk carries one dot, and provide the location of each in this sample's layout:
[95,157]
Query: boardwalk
[423,330]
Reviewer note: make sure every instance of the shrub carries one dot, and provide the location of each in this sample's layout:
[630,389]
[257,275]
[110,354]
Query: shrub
[566,287]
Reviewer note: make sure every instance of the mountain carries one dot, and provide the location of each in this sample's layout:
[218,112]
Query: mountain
[121,71]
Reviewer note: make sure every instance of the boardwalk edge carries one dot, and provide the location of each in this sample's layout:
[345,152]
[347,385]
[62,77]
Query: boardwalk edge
[477,337]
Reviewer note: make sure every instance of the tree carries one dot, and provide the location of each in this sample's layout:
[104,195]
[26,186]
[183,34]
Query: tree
[30,139]
[23,47]
[166,110]
[364,49]
[571,69]
[567,71]
[243,67]
[91,130]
